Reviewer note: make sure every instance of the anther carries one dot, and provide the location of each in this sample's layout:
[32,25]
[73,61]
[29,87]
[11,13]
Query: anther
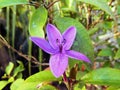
[57,41]
[64,41]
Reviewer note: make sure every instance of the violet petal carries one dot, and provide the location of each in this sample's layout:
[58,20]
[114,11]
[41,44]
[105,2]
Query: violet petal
[69,37]
[43,44]
[54,36]
[77,55]
[58,63]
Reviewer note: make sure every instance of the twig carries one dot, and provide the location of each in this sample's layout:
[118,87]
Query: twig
[47,6]
[29,58]
[88,15]
[51,4]
[110,3]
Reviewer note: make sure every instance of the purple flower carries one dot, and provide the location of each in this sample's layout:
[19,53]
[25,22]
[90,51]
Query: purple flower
[59,47]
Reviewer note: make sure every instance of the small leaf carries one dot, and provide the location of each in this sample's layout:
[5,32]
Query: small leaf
[84,88]
[103,76]
[79,86]
[118,10]
[106,52]
[5,3]
[37,22]
[3,84]
[80,74]
[9,68]
[16,84]
[69,5]
[100,4]
[117,55]
[118,41]
[18,69]
[76,87]
[42,76]
[11,79]
[117,65]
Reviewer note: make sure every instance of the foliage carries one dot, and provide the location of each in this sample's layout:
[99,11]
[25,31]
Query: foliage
[25,67]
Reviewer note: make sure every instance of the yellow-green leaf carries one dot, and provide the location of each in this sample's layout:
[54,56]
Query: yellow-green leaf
[103,76]
[37,22]
[5,3]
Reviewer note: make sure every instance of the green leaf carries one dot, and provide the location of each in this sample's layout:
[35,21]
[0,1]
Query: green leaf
[100,4]
[68,2]
[117,55]
[18,69]
[68,5]
[105,25]
[35,86]
[113,88]
[118,10]
[82,43]
[37,22]
[118,41]
[80,74]
[42,76]
[3,84]
[117,65]
[84,88]
[47,87]
[16,84]
[76,87]
[28,86]
[106,52]
[79,86]
[39,81]
[5,3]
[9,68]
[11,79]
[103,76]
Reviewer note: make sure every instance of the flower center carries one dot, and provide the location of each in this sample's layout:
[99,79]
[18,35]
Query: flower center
[60,44]
[60,48]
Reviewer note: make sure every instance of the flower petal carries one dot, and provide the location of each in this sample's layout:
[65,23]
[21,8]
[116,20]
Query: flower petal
[58,63]
[77,55]
[43,44]
[53,35]
[69,36]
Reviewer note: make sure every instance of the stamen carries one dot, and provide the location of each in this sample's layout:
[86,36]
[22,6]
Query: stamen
[64,41]
[57,41]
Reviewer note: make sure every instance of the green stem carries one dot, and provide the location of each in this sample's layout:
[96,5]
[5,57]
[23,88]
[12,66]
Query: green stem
[8,28]
[29,53]
[29,46]
[13,30]
[13,25]
[40,59]
[8,21]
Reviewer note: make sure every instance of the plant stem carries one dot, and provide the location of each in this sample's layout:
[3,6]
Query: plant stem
[65,77]
[65,80]
[13,24]
[13,31]
[8,28]
[40,59]
[8,20]
[29,53]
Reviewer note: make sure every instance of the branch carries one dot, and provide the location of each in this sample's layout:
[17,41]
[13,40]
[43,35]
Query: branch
[27,57]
